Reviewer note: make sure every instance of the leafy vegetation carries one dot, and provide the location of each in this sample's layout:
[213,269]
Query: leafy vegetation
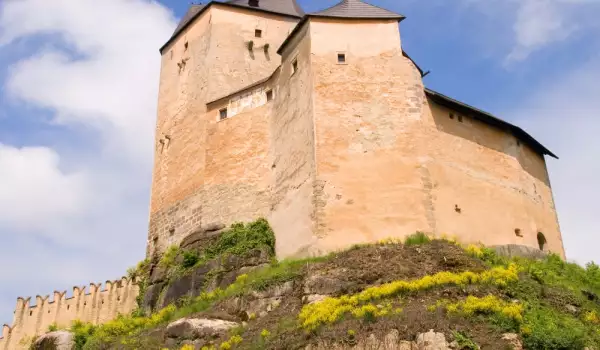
[332,309]
[464,342]
[417,238]
[550,303]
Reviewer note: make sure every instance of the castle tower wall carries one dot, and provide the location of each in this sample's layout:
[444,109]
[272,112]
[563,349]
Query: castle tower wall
[94,307]
[487,186]
[195,181]
[293,150]
[368,169]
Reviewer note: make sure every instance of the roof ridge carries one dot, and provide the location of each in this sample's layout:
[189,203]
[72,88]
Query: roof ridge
[357,9]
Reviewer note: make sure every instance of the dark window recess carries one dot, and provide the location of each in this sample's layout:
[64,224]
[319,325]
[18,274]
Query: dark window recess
[341,58]
[451,115]
[223,113]
[258,33]
[541,240]
[460,118]
[68,307]
[30,313]
[294,66]
[186,45]
[269,95]
[253,3]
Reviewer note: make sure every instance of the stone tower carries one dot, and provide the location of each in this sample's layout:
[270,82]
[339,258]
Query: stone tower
[320,123]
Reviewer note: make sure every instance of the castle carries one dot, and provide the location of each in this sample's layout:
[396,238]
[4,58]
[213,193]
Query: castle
[320,123]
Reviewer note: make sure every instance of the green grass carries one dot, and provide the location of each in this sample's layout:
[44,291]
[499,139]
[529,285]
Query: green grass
[545,287]
[417,239]
[464,341]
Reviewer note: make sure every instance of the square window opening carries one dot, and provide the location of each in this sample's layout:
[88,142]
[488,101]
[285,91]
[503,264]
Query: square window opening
[269,95]
[341,58]
[223,114]
[258,33]
[253,3]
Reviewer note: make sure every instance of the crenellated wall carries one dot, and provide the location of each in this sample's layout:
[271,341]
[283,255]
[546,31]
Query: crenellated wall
[97,304]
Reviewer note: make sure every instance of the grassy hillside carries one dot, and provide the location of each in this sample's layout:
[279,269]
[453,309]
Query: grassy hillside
[469,293]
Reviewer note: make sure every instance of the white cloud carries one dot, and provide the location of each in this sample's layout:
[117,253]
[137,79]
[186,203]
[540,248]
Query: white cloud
[78,210]
[35,192]
[538,23]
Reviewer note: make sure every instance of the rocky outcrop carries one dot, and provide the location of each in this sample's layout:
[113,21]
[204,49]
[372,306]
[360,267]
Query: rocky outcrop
[192,328]
[516,250]
[218,273]
[425,341]
[60,340]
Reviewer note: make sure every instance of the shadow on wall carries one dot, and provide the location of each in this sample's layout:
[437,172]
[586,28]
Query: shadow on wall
[466,127]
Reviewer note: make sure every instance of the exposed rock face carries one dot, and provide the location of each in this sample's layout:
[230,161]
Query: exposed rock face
[513,339]
[432,341]
[217,273]
[425,341]
[192,328]
[60,340]
[516,250]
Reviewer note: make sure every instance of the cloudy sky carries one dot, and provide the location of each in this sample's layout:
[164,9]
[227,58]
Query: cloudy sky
[78,91]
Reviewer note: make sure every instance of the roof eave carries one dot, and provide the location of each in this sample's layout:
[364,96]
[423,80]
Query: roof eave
[176,35]
[399,18]
[490,119]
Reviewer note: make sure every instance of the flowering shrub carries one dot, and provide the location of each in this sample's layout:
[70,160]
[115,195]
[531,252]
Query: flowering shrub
[487,305]
[332,309]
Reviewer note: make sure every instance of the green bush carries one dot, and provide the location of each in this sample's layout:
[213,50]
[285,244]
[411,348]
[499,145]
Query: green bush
[548,329]
[190,259]
[241,238]
[168,258]
[417,238]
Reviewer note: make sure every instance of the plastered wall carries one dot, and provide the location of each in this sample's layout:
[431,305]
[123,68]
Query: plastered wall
[293,214]
[366,125]
[97,304]
[486,185]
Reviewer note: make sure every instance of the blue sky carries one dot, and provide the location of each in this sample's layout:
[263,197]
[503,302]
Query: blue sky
[78,102]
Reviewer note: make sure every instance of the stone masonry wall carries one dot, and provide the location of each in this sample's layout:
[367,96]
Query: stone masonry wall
[188,188]
[99,304]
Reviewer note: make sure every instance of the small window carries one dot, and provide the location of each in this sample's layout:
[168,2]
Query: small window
[30,313]
[258,33]
[294,66]
[223,114]
[185,46]
[518,232]
[460,118]
[341,58]
[269,95]
[451,115]
[253,3]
